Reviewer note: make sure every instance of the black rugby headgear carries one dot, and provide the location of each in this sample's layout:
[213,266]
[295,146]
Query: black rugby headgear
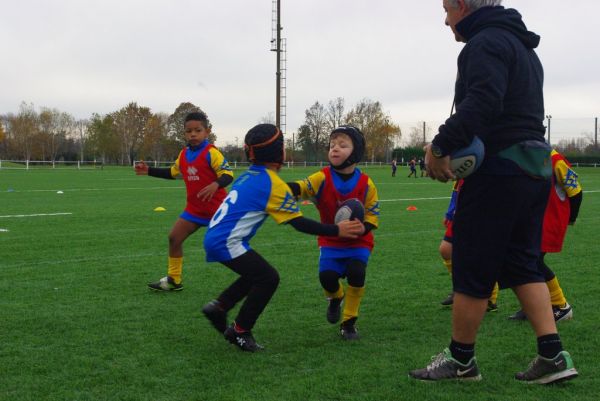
[264,144]
[358,143]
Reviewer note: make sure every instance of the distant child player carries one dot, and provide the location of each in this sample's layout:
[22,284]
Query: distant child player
[412,164]
[206,173]
[562,210]
[255,195]
[394,167]
[343,258]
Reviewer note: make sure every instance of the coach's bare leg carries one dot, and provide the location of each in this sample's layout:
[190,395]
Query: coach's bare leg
[535,301]
[467,314]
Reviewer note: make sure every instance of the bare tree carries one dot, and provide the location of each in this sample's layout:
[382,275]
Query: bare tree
[316,122]
[335,113]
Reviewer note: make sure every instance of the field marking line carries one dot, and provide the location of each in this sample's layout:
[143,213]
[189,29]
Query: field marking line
[35,215]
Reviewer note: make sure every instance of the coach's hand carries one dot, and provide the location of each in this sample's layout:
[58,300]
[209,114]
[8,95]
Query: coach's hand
[350,228]
[141,168]
[438,168]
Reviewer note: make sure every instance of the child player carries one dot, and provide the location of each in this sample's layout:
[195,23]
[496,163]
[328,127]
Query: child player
[206,173]
[562,210]
[256,194]
[343,258]
[446,248]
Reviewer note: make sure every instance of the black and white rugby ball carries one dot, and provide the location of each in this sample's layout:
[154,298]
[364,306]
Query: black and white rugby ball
[465,161]
[350,209]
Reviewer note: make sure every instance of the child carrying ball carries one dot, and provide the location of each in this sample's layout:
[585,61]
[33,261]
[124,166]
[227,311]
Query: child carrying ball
[255,195]
[341,257]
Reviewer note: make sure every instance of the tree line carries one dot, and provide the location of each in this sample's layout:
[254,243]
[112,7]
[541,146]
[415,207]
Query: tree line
[134,132]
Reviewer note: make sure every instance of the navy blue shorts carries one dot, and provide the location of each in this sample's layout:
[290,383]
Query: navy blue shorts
[497,232]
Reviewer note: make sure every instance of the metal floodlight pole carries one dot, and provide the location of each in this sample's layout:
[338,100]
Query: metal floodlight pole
[596,133]
[549,117]
[278,73]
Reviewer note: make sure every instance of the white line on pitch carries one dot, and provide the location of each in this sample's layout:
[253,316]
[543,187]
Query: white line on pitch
[34,215]
[412,199]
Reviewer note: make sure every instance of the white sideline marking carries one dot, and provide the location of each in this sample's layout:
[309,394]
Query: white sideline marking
[413,199]
[34,215]
[3,230]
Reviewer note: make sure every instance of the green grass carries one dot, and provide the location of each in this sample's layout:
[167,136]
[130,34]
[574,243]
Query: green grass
[78,323]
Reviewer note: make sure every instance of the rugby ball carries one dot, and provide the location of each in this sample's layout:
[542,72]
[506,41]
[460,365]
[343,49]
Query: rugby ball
[350,209]
[465,161]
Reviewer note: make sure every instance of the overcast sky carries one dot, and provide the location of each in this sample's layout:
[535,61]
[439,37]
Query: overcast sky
[96,56]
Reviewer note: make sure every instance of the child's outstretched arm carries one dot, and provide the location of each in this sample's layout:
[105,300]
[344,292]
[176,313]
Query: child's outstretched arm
[344,229]
[141,168]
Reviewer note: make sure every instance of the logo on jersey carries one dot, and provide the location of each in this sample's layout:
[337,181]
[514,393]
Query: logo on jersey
[192,174]
[289,204]
[571,179]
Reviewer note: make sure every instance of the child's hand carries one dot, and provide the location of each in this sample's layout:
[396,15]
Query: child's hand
[141,168]
[350,228]
[208,191]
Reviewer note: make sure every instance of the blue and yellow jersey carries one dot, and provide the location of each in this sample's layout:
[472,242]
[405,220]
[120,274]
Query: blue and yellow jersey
[567,180]
[257,193]
[214,158]
[311,187]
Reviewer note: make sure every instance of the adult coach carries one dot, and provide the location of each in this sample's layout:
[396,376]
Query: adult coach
[498,221]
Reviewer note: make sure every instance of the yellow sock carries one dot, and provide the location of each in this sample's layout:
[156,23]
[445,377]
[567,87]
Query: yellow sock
[557,297]
[448,264]
[352,302]
[494,296]
[175,268]
[338,294]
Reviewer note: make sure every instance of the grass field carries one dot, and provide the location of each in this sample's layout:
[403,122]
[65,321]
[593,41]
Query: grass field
[78,323]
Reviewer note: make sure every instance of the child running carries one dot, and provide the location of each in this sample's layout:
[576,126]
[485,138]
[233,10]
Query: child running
[256,194]
[206,173]
[343,258]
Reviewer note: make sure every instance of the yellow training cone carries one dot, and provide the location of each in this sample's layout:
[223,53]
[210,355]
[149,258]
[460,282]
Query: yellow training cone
[159,209]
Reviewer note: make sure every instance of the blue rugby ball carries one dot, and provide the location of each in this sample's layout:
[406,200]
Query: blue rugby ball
[350,209]
[466,161]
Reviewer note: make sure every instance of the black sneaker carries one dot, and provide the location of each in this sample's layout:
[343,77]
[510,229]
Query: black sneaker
[334,310]
[449,300]
[165,284]
[348,329]
[518,315]
[444,367]
[545,371]
[492,307]
[216,315]
[564,313]
[244,341]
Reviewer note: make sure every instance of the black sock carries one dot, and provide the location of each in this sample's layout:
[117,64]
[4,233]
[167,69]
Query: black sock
[549,345]
[462,352]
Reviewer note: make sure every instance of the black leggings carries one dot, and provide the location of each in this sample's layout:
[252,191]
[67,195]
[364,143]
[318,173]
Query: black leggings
[257,283]
[356,271]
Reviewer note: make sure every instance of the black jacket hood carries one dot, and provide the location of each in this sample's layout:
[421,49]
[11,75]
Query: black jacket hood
[498,17]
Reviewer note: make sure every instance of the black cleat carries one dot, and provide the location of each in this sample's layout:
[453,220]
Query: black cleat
[444,367]
[449,300]
[165,284]
[334,310]
[244,341]
[348,329]
[216,315]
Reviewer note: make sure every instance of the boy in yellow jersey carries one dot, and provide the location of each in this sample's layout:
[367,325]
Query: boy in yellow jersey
[562,210]
[255,195]
[343,258]
[206,173]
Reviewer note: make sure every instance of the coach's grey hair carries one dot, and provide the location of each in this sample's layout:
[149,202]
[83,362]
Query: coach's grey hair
[477,4]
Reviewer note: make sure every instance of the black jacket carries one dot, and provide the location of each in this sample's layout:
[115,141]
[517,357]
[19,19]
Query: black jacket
[498,92]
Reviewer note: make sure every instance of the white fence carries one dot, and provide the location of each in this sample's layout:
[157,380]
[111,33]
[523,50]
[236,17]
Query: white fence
[35,164]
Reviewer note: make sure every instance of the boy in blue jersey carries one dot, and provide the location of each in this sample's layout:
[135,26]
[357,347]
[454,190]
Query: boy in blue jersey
[256,194]
[343,258]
